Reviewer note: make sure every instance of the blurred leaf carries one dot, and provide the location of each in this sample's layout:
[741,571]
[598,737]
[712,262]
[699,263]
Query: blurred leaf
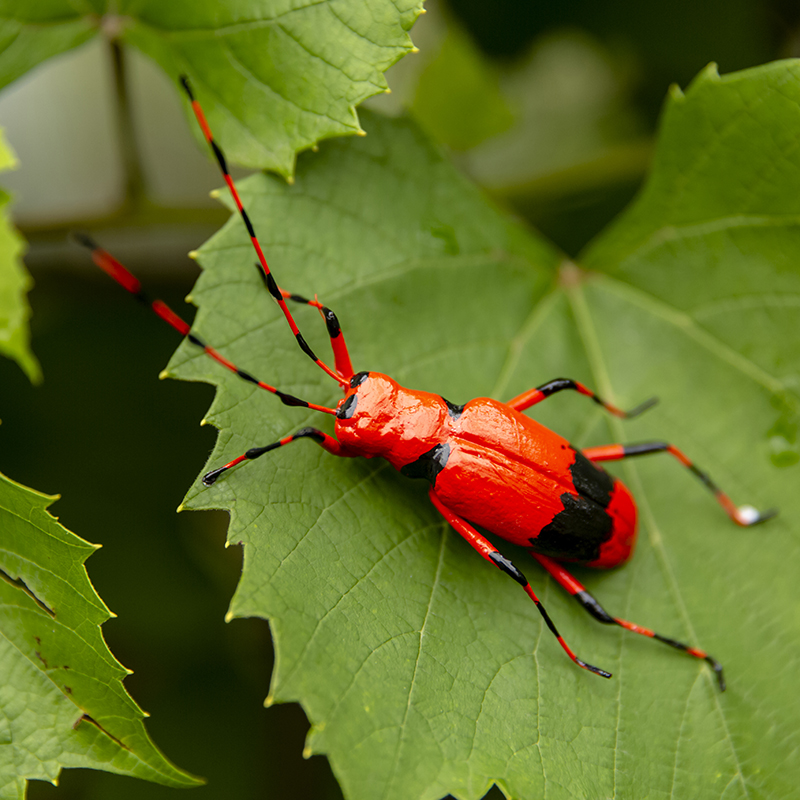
[36,30]
[273,78]
[424,670]
[458,98]
[14,284]
[62,702]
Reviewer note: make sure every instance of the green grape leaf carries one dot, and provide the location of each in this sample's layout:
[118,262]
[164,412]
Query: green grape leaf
[423,670]
[62,702]
[14,283]
[274,78]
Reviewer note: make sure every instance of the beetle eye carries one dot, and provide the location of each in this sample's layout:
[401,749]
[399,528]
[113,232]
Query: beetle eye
[348,408]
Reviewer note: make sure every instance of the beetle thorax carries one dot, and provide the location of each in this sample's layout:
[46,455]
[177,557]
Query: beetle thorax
[378,417]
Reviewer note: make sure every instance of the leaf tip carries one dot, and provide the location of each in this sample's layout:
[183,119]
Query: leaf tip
[229,616]
[193,253]
[203,422]
[214,194]
[269,700]
[307,752]
[180,508]
[163,374]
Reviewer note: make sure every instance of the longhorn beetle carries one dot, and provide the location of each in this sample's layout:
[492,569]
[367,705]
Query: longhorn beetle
[487,463]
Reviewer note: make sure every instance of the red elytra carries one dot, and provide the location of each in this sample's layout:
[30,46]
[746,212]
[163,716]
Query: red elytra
[487,463]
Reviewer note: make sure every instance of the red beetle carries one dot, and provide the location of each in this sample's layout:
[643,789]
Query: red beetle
[487,463]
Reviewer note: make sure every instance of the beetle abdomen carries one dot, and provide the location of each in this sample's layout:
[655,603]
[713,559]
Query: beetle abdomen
[519,480]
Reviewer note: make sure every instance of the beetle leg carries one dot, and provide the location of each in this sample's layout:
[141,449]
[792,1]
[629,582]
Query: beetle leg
[741,515]
[326,442]
[486,549]
[534,396]
[591,605]
[341,357]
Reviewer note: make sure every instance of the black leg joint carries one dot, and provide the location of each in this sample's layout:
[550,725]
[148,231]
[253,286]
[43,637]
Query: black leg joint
[261,274]
[557,385]
[504,564]
[644,448]
[272,286]
[594,608]
[304,346]
[331,322]
[187,87]
[312,433]
[291,400]
[255,452]
[246,376]
[224,167]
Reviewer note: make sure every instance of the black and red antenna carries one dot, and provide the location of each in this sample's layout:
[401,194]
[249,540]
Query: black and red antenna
[112,267]
[269,280]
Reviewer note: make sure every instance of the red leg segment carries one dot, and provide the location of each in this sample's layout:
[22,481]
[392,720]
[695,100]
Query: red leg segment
[741,515]
[599,613]
[268,277]
[486,549]
[534,396]
[341,357]
[326,442]
[112,267]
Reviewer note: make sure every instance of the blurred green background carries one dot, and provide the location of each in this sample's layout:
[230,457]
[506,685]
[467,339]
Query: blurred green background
[551,106]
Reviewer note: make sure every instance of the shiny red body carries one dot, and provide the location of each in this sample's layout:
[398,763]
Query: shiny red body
[502,471]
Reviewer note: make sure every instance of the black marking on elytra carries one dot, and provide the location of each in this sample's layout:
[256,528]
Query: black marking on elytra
[272,286]
[224,167]
[304,346]
[452,409]
[247,376]
[593,607]
[591,481]
[576,532]
[429,464]
[348,408]
[291,400]
[331,322]
[508,567]
[186,87]
[358,379]
[196,340]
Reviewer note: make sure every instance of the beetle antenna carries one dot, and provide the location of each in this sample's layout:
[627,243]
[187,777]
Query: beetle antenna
[272,286]
[128,281]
